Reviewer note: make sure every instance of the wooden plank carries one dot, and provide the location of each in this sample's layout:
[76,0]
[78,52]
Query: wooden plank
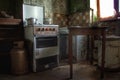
[9,21]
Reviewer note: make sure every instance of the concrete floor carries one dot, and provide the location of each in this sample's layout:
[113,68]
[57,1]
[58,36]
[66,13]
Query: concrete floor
[82,71]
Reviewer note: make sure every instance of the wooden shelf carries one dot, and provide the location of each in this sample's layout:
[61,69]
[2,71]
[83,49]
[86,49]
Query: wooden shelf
[9,21]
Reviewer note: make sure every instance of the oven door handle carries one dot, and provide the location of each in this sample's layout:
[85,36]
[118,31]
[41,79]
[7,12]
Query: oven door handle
[44,39]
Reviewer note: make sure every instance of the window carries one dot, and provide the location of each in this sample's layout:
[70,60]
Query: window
[105,9]
[93,5]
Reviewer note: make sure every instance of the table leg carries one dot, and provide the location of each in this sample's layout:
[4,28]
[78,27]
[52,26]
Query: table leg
[103,53]
[92,50]
[88,48]
[70,56]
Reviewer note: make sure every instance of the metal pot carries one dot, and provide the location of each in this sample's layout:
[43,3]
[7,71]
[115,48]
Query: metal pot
[31,21]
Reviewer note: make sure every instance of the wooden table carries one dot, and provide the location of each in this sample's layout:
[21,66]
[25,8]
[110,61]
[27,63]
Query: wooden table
[92,31]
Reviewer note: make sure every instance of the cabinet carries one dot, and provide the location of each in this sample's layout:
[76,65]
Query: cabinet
[10,31]
[112,56]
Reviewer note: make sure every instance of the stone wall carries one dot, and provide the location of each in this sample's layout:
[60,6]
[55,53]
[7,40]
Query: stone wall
[76,19]
[79,19]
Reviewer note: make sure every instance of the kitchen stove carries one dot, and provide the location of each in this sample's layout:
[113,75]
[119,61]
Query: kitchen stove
[43,46]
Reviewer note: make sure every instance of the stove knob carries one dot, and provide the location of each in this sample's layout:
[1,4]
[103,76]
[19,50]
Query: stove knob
[46,29]
[50,29]
[53,29]
[38,29]
[42,29]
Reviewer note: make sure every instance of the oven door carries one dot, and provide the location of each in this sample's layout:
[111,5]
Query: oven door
[43,42]
[46,47]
